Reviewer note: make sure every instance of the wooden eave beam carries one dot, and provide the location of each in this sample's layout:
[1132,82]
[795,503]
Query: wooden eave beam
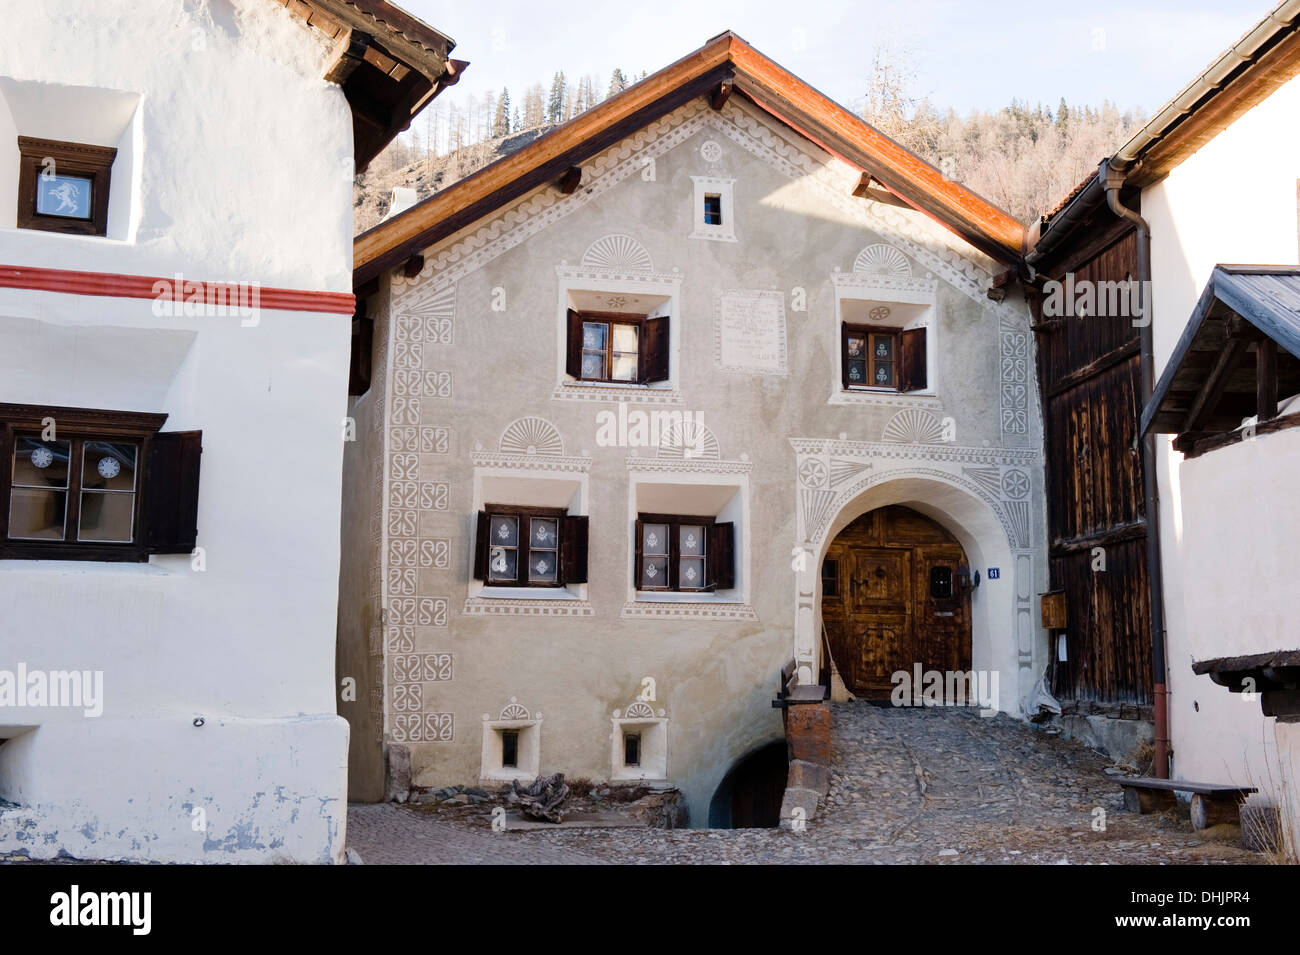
[348,53]
[1212,389]
[570,181]
[719,95]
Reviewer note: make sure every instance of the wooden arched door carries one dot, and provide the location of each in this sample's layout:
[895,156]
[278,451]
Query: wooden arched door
[893,597]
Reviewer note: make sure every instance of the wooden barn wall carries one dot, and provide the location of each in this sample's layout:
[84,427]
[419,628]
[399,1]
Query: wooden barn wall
[1090,378]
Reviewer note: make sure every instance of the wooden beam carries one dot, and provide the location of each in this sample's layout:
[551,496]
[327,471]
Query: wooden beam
[348,53]
[719,95]
[1266,379]
[1196,445]
[871,188]
[570,181]
[413,266]
[1212,390]
[1093,368]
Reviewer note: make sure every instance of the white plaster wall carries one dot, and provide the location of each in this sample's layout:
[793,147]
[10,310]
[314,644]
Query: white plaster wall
[1232,202]
[245,151]
[241,150]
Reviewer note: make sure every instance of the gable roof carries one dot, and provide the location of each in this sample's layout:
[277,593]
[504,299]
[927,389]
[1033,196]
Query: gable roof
[723,66]
[1209,385]
[389,64]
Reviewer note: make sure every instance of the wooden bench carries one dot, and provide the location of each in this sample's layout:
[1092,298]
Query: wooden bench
[1212,803]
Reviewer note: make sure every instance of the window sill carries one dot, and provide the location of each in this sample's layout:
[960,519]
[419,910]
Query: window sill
[718,236]
[891,399]
[527,602]
[662,393]
[703,605]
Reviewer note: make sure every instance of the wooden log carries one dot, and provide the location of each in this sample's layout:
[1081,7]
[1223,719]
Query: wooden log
[1145,801]
[1210,810]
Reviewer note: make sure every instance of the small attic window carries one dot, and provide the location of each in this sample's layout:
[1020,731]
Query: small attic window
[63,187]
[713,209]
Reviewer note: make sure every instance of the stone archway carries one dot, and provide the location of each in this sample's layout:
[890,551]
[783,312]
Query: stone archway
[965,503]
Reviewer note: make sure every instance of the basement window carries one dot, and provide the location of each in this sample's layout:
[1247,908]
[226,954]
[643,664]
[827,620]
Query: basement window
[510,749]
[631,749]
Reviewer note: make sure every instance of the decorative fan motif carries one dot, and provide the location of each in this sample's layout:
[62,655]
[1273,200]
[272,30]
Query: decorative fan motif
[690,440]
[639,710]
[882,259]
[531,435]
[617,253]
[514,710]
[913,426]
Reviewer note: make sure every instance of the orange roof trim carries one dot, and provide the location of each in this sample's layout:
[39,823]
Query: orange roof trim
[726,59]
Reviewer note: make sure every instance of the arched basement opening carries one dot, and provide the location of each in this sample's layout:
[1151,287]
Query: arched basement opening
[896,593]
[749,796]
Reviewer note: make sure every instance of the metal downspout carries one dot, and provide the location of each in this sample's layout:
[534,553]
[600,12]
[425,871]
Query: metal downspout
[1112,179]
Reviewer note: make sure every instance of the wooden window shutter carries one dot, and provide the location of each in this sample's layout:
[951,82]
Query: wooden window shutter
[911,360]
[844,354]
[573,345]
[654,350]
[636,556]
[721,571]
[481,547]
[573,550]
[172,492]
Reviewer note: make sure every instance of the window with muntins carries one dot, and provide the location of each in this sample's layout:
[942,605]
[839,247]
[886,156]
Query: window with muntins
[881,358]
[617,348]
[80,484]
[530,547]
[684,554]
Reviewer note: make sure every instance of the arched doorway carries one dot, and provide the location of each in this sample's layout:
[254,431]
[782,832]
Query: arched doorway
[749,796]
[895,593]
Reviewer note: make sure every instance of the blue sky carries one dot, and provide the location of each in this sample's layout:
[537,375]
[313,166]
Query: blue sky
[968,55]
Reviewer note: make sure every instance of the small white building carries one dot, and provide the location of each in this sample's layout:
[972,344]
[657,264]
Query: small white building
[175,308]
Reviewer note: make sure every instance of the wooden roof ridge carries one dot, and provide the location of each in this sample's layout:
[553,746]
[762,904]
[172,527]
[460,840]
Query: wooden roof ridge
[725,64]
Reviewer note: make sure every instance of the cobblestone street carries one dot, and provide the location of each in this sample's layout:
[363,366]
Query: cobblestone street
[937,785]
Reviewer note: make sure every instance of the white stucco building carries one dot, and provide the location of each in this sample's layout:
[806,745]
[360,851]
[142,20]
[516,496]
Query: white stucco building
[175,306]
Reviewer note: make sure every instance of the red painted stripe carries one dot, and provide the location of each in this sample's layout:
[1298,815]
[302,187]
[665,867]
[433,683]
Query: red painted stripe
[118,285]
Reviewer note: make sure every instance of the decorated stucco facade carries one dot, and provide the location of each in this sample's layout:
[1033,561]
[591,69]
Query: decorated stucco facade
[471,404]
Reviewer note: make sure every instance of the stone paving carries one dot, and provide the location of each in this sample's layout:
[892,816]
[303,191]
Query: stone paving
[936,785]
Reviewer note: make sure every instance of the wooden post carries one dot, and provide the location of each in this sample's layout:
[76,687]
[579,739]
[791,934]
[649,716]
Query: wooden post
[1213,810]
[1266,379]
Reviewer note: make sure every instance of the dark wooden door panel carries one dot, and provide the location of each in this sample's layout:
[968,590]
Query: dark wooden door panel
[888,619]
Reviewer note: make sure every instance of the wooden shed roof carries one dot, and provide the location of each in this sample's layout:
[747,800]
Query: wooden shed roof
[1211,381]
[723,66]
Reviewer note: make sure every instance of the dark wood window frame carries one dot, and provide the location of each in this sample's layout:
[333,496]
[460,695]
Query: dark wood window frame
[713,209]
[831,578]
[570,548]
[80,160]
[631,748]
[652,346]
[164,519]
[719,553]
[906,362]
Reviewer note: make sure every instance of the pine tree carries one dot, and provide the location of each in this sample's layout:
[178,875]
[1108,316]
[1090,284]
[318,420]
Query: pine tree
[559,94]
[501,124]
[617,83]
